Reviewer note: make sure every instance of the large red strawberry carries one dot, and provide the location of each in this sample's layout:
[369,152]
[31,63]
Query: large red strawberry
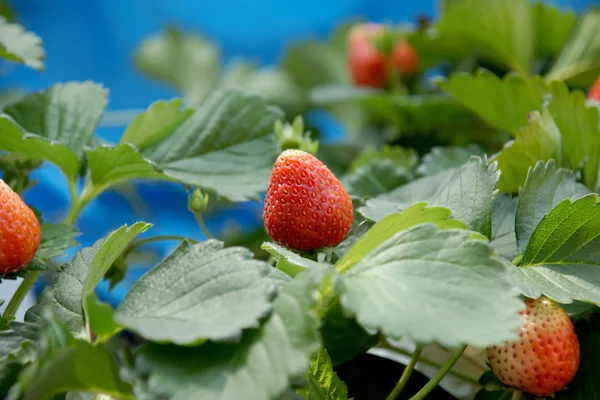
[367,64]
[545,358]
[306,206]
[594,93]
[19,231]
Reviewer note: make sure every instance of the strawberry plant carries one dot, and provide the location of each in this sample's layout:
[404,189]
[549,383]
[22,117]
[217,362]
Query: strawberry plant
[446,247]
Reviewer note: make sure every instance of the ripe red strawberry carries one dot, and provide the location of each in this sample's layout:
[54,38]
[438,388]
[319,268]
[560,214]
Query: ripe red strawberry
[594,93]
[306,206]
[19,231]
[546,357]
[367,64]
[405,59]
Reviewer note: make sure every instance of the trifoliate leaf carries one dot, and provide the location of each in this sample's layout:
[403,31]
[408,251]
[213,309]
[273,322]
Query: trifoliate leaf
[260,366]
[545,187]
[198,293]
[540,140]
[434,286]
[56,238]
[562,258]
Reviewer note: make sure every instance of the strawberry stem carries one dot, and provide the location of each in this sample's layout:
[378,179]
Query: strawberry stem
[198,216]
[433,382]
[406,374]
[17,298]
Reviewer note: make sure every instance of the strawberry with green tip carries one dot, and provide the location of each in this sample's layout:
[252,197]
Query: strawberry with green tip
[546,356]
[306,206]
[19,231]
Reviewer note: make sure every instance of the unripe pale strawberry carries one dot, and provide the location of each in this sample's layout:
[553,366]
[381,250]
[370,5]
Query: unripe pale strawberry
[19,231]
[306,206]
[546,356]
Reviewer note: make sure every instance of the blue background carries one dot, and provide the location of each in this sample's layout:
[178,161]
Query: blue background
[95,39]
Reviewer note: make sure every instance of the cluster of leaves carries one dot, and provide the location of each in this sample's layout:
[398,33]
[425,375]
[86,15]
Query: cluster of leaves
[441,250]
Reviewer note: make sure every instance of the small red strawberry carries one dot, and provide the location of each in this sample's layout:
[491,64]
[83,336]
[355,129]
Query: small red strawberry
[546,357]
[19,231]
[367,64]
[405,59]
[594,93]
[306,206]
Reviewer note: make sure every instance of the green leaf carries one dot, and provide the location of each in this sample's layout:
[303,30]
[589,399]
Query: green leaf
[579,62]
[343,337]
[401,198]
[157,122]
[540,140]
[82,367]
[580,130]
[586,384]
[66,113]
[503,226]
[313,64]
[110,165]
[100,318]
[379,171]
[276,86]
[259,367]
[434,286]
[73,282]
[470,194]
[11,341]
[323,382]
[56,238]
[503,103]
[386,228]
[500,31]
[198,293]
[562,258]
[545,187]
[16,44]
[441,159]
[188,62]
[227,146]
[288,261]
[552,28]
[15,139]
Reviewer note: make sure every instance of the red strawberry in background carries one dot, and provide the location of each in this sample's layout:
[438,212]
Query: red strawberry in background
[405,59]
[545,358]
[306,206]
[19,231]
[594,93]
[367,64]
